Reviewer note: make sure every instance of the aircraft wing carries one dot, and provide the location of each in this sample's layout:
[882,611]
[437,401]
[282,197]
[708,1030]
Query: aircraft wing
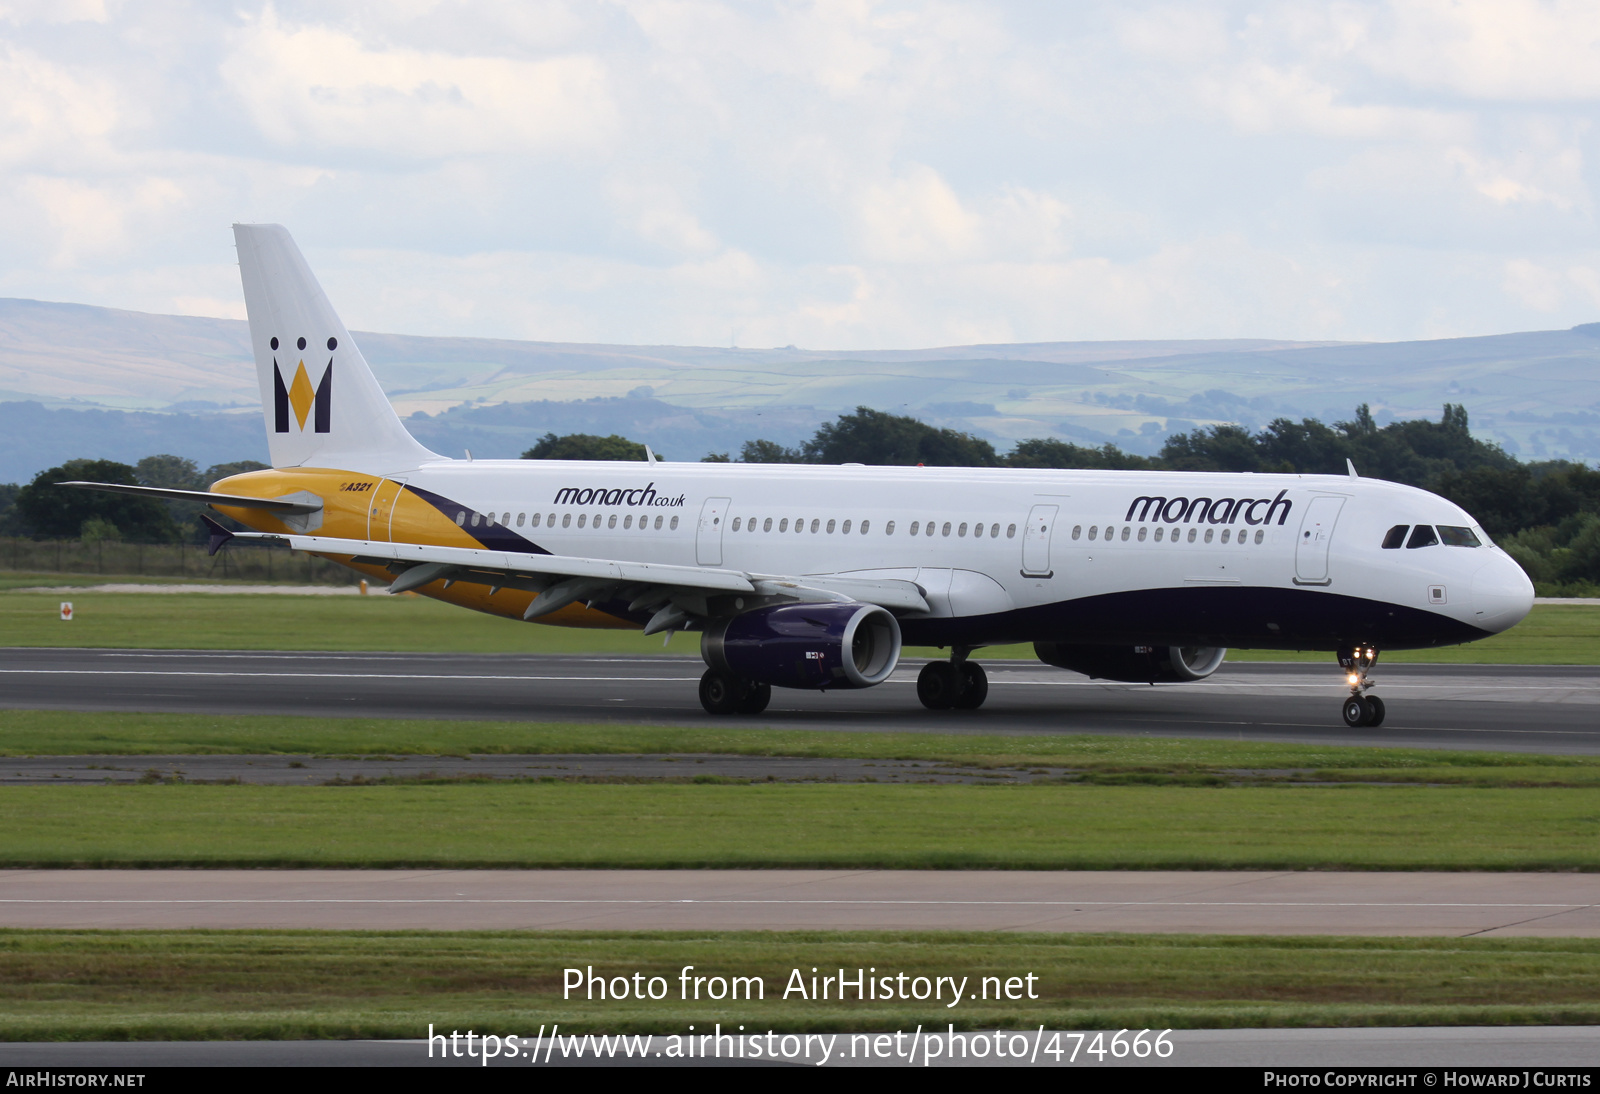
[676,594]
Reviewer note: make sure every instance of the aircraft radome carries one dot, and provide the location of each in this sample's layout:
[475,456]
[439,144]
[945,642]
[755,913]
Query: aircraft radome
[812,577]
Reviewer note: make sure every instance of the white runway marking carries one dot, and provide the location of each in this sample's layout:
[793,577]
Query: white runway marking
[1074,904]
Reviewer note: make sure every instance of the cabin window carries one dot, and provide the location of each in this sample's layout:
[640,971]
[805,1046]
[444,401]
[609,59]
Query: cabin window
[914,526]
[475,519]
[815,524]
[596,520]
[830,527]
[783,525]
[1192,533]
[947,528]
[658,524]
[1225,534]
[582,518]
[612,522]
[844,529]
[1011,531]
[1160,531]
[566,520]
[1094,531]
[1455,536]
[961,532]
[461,517]
[627,522]
[1077,530]
[888,529]
[674,523]
[1422,536]
[520,516]
[1125,532]
[505,518]
[750,526]
[1142,533]
[535,521]
[994,531]
[1209,533]
[551,520]
[1260,535]
[735,524]
[868,524]
[1396,537]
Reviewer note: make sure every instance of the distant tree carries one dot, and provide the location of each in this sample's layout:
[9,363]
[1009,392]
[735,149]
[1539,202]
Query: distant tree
[11,523]
[60,512]
[1219,448]
[873,437]
[1048,452]
[172,472]
[219,471]
[585,446]
[716,457]
[769,452]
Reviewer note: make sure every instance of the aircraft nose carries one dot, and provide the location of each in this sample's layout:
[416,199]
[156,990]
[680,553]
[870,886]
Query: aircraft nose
[1502,595]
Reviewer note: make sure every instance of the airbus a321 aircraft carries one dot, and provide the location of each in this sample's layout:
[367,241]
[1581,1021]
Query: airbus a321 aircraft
[812,577]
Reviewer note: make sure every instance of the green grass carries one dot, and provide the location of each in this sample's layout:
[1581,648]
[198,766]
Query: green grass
[1101,759]
[1551,635]
[555,824]
[206,985]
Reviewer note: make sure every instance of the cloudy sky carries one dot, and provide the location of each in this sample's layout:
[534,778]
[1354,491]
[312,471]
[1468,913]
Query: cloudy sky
[831,174]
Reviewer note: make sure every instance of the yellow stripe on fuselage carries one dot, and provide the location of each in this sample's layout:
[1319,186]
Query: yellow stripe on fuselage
[357,506]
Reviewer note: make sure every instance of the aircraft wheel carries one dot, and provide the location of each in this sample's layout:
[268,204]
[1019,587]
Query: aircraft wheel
[721,692]
[938,685]
[1356,711]
[975,689]
[756,699]
[1375,711]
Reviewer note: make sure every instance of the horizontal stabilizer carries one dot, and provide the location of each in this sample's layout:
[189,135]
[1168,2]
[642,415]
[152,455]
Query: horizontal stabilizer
[235,501]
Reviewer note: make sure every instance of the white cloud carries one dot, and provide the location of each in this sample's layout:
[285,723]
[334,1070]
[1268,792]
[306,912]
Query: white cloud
[323,87]
[829,173]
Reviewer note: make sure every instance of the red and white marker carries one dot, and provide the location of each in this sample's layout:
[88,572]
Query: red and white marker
[66,611]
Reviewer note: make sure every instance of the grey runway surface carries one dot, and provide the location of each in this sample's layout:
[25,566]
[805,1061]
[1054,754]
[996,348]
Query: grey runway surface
[1516,708]
[1218,902]
[1533,1047]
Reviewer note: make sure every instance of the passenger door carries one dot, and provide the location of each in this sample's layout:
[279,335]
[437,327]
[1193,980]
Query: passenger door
[708,536]
[1036,541]
[1316,536]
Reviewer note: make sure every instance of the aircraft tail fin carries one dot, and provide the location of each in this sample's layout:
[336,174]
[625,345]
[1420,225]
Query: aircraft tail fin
[323,406]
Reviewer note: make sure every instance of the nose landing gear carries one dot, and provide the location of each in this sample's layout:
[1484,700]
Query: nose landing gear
[1360,709]
[956,684]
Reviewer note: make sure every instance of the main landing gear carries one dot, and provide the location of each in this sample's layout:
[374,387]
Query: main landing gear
[1360,709]
[956,684]
[724,693]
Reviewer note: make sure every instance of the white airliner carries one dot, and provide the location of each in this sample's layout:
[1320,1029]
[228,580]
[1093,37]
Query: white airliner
[811,577]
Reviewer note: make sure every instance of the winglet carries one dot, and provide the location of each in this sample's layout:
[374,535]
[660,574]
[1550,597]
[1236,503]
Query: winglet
[1348,462]
[649,455]
[219,535]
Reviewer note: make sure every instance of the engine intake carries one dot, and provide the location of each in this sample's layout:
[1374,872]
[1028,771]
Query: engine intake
[1134,664]
[815,646]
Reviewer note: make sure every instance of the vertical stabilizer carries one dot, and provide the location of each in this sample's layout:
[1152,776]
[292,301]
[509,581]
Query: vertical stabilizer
[323,406]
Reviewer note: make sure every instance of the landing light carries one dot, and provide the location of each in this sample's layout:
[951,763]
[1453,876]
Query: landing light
[1353,679]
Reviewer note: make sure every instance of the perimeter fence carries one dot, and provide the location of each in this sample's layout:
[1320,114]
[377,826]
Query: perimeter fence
[263,563]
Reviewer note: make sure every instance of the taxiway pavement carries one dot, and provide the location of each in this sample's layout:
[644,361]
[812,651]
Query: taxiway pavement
[1529,708]
[1210,902]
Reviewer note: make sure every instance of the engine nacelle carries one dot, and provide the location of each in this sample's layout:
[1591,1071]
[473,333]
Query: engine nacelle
[806,645]
[1134,664]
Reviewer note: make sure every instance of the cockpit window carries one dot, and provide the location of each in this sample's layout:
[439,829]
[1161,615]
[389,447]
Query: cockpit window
[1396,537]
[1453,536]
[1422,536]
